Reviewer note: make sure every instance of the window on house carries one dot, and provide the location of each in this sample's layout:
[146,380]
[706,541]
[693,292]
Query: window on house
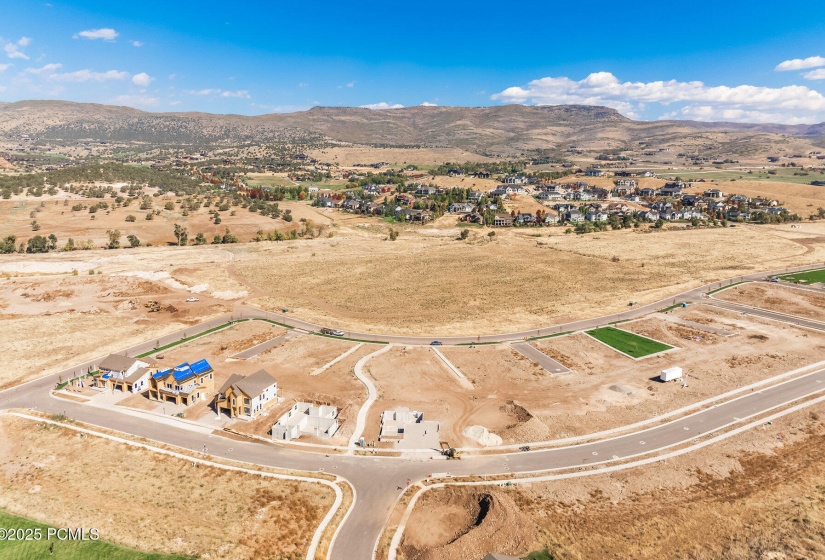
[245,400]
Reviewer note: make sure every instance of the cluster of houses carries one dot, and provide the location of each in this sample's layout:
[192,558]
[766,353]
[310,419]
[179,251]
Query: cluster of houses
[573,202]
[241,396]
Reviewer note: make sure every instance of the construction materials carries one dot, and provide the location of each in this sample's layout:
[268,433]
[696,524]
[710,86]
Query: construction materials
[671,374]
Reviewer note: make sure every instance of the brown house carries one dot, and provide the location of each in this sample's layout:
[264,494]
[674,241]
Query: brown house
[246,396]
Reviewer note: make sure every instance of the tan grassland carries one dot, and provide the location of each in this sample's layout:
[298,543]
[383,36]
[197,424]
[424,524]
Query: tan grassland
[757,495]
[54,475]
[427,282]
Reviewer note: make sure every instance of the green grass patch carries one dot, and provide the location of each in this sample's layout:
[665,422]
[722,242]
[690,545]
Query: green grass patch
[63,549]
[628,343]
[671,308]
[549,335]
[809,277]
[539,555]
[349,339]
[476,343]
[717,290]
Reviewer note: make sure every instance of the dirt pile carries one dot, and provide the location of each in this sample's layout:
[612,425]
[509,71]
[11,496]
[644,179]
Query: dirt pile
[467,526]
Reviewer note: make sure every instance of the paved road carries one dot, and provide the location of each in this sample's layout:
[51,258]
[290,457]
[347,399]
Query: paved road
[775,315]
[379,480]
[534,354]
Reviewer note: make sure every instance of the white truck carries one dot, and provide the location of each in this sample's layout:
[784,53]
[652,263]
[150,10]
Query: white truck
[671,374]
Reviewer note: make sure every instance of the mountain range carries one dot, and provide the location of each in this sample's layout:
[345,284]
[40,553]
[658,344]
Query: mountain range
[501,130]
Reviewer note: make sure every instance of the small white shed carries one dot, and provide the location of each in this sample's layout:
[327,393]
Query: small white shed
[671,374]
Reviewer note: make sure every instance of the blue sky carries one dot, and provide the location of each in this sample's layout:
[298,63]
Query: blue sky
[738,61]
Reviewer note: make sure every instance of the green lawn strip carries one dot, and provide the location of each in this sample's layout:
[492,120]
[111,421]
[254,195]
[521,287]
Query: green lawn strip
[671,308]
[63,384]
[476,343]
[725,287]
[549,335]
[63,549]
[349,339]
[628,343]
[810,277]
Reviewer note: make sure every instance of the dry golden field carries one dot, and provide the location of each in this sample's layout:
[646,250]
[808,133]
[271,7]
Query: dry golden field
[53,475]
[429,283]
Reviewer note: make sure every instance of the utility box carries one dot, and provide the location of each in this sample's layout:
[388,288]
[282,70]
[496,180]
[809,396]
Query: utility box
[671,374]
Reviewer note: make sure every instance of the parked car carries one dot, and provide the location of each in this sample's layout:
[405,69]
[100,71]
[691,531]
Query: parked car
[332,332]
[192,299]
[436,343]
[337,333]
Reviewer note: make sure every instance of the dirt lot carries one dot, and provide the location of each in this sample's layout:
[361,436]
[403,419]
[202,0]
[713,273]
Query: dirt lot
[415,378]
[428,283]
[784,299]
[293,364]
[518,401]
[48,323]
[52,475]
[607,389]
[758,495]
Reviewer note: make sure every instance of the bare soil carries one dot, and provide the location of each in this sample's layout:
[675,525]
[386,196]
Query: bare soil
[757,495]
[52,322]
[293,362]
[784,299]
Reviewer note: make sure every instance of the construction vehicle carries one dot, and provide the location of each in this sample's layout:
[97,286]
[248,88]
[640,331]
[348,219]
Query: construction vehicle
[153,306]
[449,452]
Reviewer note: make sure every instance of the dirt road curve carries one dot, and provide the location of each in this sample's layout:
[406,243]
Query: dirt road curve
[378,480]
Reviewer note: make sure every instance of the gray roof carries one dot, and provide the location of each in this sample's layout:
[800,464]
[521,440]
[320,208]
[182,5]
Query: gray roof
[255,384]
[497,556]
[251,385]
[137,374]
[116,362]
[234,378]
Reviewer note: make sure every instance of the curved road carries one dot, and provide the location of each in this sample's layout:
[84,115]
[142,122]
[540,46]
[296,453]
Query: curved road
[378,481]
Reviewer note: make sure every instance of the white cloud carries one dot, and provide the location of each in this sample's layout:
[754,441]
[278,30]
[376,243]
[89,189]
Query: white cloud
[143,79]
[4,67]
[80,76]
[175,102]
[13,51]
[800,63]
[105,33]
[818,74]
[24,41]
[137,43]
[428,104]
[382,105]
[47,69]
[241,93]
[136,101]
[744,103]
